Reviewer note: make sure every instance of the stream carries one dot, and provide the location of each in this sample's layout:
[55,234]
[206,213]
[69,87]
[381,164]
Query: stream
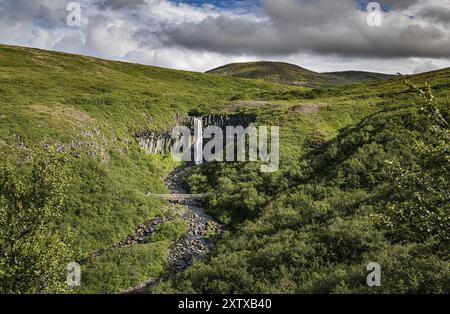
[196,243]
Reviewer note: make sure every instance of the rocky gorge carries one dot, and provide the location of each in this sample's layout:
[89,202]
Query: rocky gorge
[160,142]
[198,241]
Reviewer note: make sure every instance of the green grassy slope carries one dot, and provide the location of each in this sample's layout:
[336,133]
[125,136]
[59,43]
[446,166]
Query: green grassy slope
[285,73]
[359,76]
[377,191]
[91,108]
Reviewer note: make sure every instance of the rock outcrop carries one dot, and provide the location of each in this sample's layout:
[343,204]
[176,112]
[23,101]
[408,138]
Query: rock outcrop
[161,142]
[223,121]
[155,143]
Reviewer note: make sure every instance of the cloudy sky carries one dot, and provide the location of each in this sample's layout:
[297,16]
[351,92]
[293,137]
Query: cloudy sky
[322,35]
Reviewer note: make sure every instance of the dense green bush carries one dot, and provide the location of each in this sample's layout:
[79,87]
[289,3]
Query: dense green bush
[34,252]
[379,192]
[364,177]
[122,268]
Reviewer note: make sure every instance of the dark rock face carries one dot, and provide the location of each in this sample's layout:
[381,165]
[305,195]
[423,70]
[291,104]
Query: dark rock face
[160,143]
[223,121]
[155,143]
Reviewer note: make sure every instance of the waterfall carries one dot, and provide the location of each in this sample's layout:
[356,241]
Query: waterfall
[198,141]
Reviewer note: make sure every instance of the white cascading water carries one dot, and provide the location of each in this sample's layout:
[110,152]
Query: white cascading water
[198,141]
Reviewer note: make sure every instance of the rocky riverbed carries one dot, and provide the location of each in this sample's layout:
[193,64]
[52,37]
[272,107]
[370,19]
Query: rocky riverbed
[197,241]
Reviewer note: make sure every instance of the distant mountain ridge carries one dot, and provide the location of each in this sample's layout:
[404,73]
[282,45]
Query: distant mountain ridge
[360,76]
[291,74]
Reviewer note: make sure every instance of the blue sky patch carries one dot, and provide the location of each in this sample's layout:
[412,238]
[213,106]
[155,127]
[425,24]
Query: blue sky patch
[225,4]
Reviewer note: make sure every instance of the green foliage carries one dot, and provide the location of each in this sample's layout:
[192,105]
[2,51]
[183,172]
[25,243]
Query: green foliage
[34,253]
[92,109]
[123,268]
[241,198]
[104,202]
[378,192]
[285,73]
[170,230]
[420,204]
[363,177]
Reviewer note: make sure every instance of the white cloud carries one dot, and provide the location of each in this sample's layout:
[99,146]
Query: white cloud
[323,35]
[426,66]
[183,59]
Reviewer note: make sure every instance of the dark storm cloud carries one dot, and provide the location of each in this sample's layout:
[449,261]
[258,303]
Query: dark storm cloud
[175,32]
[436,14]
[306,12]
[45,13]
[398,4]
[228,35]
[321,26]
[120,4]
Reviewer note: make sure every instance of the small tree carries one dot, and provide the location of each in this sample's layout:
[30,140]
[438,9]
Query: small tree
[33,250]
[420,205]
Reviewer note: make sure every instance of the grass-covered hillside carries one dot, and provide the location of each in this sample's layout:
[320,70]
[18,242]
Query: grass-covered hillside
[89,110]
[377,192]
[359,76]
[285,73]
[67,144]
